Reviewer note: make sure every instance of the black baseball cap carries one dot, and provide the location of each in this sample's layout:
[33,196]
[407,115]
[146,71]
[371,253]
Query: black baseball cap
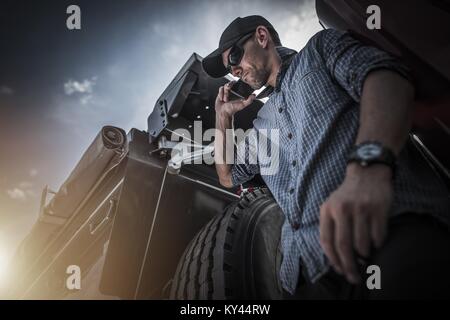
[213,64]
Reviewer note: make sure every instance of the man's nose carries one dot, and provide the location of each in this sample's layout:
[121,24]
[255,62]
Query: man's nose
[236,71]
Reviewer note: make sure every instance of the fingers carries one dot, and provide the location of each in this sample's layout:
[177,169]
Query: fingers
[231,106]
[238,105]
[220,94]
[361,233]
[248,101]
[227,89]
[352,219]
[344,246]
[327,238]
[378,229]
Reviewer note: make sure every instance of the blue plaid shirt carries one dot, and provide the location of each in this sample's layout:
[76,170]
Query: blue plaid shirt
[316,109]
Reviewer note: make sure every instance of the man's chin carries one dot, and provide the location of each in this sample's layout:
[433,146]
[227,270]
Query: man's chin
[255,86]
[251,84]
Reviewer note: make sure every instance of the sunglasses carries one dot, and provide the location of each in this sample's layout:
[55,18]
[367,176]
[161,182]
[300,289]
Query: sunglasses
[237,52]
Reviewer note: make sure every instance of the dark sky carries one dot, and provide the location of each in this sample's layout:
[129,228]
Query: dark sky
[59,87]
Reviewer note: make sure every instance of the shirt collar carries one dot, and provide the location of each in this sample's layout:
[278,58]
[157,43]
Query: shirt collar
[286,56]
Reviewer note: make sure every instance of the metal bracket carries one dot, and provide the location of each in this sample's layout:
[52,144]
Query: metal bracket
[44,215]
[181,153]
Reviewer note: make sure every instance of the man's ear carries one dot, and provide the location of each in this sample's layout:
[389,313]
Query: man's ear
[262,36]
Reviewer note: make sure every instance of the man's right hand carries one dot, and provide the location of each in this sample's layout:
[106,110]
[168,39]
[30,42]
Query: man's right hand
[226,107]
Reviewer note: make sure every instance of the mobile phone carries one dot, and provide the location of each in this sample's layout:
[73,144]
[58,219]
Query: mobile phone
[240,90]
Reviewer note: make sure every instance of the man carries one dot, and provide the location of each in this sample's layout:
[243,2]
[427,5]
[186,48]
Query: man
[353,190]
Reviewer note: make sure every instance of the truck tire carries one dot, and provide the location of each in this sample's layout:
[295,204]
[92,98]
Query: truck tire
[236,255]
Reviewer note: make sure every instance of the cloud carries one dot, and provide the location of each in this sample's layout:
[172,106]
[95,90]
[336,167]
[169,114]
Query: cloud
[17,194]
[83,89]
[86,99]
[22,192]
[25,185]
[30,193]
[73,86]
[33,172]
[173,50]
[5,90]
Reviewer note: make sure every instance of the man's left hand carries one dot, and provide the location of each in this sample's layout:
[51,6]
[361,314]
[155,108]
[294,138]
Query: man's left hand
[355,216]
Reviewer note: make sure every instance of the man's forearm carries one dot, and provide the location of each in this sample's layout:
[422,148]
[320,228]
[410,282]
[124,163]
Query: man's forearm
[223,145]
[386,110]
[354,217]
[222,148]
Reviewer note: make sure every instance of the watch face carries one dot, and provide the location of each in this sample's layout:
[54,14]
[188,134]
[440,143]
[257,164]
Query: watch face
[368,151]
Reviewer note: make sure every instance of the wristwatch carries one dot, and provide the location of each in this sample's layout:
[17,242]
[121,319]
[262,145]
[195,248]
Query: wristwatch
[371,152]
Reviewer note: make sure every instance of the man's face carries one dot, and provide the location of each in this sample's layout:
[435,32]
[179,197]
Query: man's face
[253,68]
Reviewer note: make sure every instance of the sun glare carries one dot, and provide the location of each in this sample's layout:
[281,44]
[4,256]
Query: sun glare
[4,261]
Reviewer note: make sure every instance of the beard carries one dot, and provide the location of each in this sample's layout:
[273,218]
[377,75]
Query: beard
[258,78]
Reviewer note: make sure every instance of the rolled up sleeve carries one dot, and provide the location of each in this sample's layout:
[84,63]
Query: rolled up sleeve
[245,165]
[350,61]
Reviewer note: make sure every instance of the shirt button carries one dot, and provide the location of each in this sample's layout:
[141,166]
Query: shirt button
[291,191]
[294,163]
[295,225]
[280,110]
[290,135]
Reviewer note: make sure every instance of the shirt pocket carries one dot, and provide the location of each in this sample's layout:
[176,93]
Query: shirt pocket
[315,94]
